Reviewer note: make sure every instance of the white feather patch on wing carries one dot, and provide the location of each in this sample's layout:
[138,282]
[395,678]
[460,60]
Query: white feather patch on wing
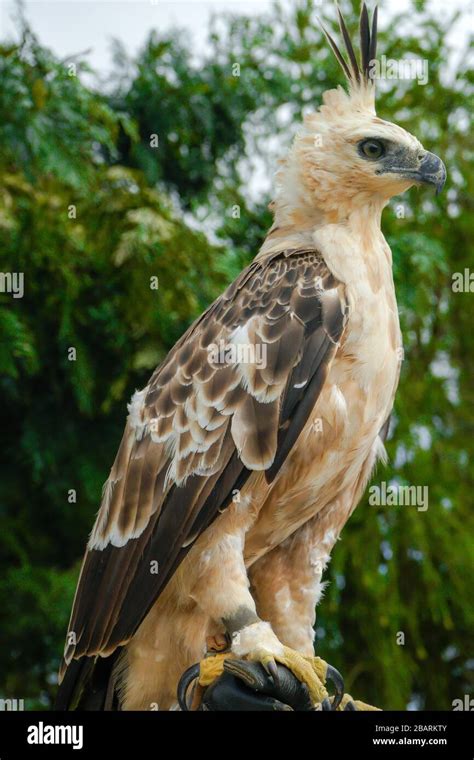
[114,537]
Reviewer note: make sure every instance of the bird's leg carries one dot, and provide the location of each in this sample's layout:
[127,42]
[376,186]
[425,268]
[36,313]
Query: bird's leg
[222,590]
[253,639]
[286,585]
[260,673]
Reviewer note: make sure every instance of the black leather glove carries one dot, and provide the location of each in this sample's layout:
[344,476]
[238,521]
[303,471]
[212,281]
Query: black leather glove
[247,686]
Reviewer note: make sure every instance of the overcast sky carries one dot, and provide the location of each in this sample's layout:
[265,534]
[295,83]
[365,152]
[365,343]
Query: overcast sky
[71,26]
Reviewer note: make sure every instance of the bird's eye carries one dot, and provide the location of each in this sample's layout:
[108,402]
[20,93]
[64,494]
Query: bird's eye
[373,149]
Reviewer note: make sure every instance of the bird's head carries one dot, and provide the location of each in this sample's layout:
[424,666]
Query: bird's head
[345,156]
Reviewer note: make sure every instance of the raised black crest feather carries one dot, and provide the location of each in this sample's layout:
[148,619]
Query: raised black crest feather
[364,30]
[349,48]
[337,53]
[354,72]
[373,39]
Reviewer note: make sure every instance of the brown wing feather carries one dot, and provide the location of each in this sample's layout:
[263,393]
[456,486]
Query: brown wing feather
[200,428]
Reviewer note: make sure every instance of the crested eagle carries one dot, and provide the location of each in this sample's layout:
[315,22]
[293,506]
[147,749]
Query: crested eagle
[239,467]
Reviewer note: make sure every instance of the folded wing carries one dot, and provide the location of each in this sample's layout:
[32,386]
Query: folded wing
[231,398]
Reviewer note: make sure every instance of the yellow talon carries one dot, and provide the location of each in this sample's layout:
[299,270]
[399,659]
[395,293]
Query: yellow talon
[307,669]
[311,671]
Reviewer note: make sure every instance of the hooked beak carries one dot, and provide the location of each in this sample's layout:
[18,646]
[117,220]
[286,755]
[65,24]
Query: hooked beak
[431,171]
[421,168]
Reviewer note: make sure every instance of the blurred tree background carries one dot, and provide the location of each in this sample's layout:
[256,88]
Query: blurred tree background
[104,189]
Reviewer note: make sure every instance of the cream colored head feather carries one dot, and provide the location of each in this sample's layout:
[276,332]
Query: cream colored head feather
[345,156]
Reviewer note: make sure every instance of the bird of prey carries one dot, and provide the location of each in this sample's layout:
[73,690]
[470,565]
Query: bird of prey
[252,443]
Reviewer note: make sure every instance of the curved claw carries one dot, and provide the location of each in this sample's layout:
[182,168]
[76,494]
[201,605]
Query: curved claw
[185,682]
[326,705]
[338,682]
[272,670]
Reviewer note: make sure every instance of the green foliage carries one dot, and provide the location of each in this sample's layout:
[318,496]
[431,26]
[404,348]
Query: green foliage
[90,212]
[51,124]
[92,240]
